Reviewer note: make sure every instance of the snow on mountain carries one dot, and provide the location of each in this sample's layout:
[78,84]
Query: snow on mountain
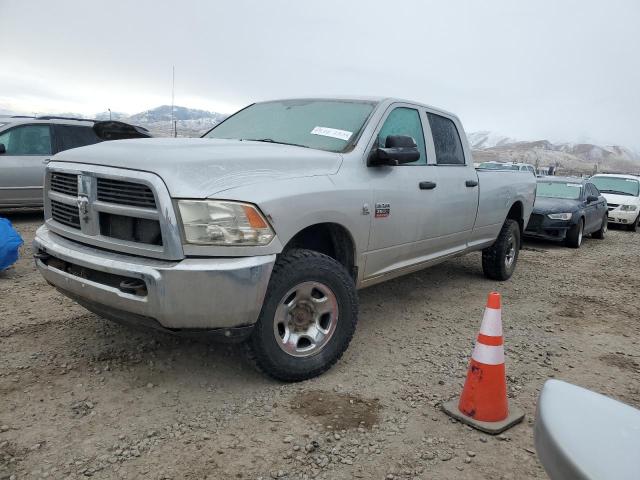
[110,115]
[570,157]
[163,114]
[487,139]
[190,122]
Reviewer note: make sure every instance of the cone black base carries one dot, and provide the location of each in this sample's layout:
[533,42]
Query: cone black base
[494,428]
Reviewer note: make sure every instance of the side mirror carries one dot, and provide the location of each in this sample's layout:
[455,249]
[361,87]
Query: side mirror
[3,149]
[398,149]
[592,198]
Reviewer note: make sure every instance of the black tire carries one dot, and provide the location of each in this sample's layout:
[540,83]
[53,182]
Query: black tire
[575,235]
[602,231]
[495,264]
[292,269]
[633,227]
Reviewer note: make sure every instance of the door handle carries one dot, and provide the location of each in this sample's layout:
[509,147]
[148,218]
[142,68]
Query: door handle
[427,185]
[471,183]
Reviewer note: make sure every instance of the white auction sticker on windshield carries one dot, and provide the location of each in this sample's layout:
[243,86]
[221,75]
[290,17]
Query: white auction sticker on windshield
[332,132]
[577,185]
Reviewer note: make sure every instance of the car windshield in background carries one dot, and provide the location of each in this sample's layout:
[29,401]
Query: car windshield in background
[617,185]
[330,125]
[559,190]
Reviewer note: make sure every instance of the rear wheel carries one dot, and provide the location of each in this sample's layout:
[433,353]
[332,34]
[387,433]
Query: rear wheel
[603,229]
[499,260]
[575,235]
[308,317]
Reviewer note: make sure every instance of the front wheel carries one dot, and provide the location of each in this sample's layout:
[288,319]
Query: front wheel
[308,317]
[575,234]
[499,260]
[634,226]
[602,231]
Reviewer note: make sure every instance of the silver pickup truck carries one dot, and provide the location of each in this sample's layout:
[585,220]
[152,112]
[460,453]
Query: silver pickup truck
[264,229]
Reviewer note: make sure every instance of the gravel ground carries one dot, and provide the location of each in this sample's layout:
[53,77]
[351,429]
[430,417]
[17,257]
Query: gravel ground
[82,397]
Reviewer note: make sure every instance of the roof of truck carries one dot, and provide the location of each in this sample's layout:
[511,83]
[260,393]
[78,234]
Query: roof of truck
[365,98]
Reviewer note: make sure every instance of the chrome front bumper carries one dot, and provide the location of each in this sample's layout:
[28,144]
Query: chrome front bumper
[190,294]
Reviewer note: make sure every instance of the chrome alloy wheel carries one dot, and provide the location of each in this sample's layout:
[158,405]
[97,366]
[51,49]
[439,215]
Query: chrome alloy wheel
[510,257]
[306,319]
[580,232]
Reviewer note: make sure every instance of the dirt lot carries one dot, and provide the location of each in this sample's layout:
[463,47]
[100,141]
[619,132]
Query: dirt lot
[80,396]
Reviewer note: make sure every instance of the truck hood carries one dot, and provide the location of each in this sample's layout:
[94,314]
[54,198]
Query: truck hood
[202,167]
[621,199]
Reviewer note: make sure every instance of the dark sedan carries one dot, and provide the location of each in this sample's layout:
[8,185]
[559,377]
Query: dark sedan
[567,209]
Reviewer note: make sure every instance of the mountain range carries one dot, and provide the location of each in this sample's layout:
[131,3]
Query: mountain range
[569,158]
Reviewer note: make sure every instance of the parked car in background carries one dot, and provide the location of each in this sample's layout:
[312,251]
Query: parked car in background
[522,167]
[26,142]
[623,198]
[567,209]
[264,229]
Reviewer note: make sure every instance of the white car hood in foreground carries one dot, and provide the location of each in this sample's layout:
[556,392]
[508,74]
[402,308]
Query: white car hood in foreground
[621,199]
[202,167]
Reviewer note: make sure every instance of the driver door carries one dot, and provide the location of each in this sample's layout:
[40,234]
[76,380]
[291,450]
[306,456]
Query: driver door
[404,216]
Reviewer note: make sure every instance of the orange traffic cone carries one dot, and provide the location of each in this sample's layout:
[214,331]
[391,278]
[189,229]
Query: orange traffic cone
[483,403]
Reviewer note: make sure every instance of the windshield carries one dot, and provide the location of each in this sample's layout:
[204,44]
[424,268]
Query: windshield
[330,125]
[559,190]
[617,185]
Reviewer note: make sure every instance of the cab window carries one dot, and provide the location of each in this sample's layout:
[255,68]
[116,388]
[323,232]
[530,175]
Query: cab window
[405,121]
[446,139]
[27,140]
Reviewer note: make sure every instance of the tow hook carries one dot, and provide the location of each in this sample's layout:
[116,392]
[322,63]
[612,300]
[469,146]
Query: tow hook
[42,256]
[133,286]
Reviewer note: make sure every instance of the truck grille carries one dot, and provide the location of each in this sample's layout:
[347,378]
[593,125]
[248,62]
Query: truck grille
[66,183]
[113,209]
[131,229]
[65,214]
[125,193]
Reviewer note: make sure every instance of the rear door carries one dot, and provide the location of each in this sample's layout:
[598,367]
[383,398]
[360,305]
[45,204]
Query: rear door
[594,211]
[458,187]
[22,165]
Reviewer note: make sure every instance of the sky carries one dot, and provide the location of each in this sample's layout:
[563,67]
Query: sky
[564,70]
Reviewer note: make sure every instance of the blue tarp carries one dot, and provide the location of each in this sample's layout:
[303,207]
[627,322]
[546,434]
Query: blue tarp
[10,243]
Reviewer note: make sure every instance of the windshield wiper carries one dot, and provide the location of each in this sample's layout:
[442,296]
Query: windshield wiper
[271,140]
[618,192]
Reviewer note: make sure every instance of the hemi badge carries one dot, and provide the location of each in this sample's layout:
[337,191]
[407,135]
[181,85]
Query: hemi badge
[382,210]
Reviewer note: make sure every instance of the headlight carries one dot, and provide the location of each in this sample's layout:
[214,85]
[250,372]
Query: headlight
[211,222]
[628,208]
[560,216]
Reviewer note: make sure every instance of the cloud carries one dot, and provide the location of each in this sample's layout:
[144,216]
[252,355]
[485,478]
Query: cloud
[563,70]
